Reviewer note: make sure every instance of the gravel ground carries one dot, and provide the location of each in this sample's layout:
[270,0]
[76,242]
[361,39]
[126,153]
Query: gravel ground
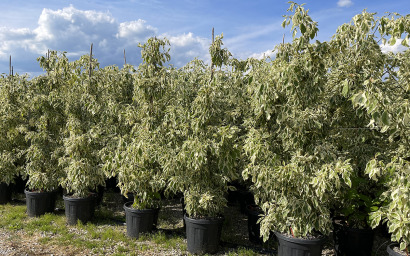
[19,244]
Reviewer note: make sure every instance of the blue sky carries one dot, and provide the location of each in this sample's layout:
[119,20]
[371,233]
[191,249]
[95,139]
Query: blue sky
[250,28]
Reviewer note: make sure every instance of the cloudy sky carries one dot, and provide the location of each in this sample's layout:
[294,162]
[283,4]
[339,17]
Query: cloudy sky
[250,27]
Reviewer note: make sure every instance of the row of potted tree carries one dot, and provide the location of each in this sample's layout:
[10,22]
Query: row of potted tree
[321,132]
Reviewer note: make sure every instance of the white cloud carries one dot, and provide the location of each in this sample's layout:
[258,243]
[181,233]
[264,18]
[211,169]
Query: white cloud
[263,55]
[344,3]
[397,47]
[136,30]
[73,30]
[186,47]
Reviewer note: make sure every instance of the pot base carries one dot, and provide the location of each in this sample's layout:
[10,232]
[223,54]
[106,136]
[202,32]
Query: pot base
[289,246]
[5,193]
[203,235]
[79,209]
[38,203]
[140,221]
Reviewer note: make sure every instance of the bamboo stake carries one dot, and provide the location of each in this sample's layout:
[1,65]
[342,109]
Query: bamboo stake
[212,64]
[91,58]
[48,60]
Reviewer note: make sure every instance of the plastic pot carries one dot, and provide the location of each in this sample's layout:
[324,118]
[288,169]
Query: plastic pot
[290,246]
[245,198]
[339,237]
[38,203]
[129,199]
[140,221]
[253,226]
[391,251]
[81,208]
[98,196]
[351,241]
[203,235]
[359,242]
[5,193]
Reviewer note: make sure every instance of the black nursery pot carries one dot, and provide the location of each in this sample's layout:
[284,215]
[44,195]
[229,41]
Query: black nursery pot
[245,198]
[339,237]
[253,226]
[289,246]
[98,196]
[81,208]
[203,235]
[391,251]
[38,203]
[352,241]
[140,221]
[129,199]
[359,242]
[5,193]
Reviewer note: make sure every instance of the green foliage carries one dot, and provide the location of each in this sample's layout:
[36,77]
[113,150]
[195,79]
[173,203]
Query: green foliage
[45,124]
[297,171]
[219,55]
[203,136]
[379,87]
[135,157]
[83,131]
[307,145]
[12,120]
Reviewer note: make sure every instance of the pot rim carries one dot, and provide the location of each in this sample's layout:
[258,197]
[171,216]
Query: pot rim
[38,192]
[204,220]
[70,198]
[321,239]
[130,209]
[390,250]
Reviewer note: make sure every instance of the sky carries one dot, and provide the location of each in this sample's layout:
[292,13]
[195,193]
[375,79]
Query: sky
[251,28]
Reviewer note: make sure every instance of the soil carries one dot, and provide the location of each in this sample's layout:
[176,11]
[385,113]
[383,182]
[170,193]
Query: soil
[396,249]
[308,237]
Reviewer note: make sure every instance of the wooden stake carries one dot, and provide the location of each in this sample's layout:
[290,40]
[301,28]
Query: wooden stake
[91,58]
[212,64]
[213,35]
[12,71]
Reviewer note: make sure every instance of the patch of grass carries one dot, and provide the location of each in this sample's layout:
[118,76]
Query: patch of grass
[143,247]
[158,238]
[12,216]
[109,234]
[47,223]
[165,241]
[45,240]
[122,249]
[243,252]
